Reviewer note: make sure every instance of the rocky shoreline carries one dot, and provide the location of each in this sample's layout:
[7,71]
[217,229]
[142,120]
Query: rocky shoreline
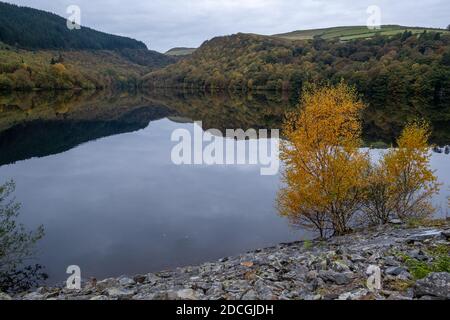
[313,270]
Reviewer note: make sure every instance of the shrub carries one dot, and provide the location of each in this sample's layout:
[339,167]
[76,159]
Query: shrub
[16,246]
[402,184]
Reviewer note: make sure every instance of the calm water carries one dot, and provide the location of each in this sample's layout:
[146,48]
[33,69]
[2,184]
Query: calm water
[95,170]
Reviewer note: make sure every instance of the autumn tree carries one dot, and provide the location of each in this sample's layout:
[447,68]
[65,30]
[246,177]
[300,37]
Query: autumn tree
[324,168]
[402,184]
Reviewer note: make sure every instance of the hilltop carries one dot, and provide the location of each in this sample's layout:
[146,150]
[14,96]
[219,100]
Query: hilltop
[180,51]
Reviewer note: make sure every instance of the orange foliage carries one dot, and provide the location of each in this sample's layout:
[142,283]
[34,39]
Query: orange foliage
[324,166]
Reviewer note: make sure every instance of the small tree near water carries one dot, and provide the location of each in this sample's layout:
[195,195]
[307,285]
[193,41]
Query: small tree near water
[323,163]
[16,246]
[402,184]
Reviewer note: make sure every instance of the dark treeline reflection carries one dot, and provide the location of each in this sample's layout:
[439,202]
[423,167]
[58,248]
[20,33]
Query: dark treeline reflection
[43,123]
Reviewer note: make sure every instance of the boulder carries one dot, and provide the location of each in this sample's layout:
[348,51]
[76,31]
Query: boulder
[435,285]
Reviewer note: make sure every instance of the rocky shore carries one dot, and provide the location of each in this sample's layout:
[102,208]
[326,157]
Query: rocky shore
[312,270]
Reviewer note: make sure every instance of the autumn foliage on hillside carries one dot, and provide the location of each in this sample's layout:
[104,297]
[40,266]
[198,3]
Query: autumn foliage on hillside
[403,68]
[330,184]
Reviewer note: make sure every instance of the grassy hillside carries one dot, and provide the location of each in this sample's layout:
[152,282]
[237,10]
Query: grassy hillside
[353,32]
[35,29]
[180,51]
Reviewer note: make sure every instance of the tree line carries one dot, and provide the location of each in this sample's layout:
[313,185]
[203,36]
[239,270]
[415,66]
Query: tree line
[403,68]
[35,29]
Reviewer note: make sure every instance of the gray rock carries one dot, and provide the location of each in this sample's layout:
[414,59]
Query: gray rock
[33,296]
[338,278]
[126,281]
[418,237]
[99,298]
[4,296]
[395,271]
[340,266]
[446,234]
[139,278]
[396,222]
[107,283]
[250,295]
[120,293]
[435,285]
[355,295]
[188,294]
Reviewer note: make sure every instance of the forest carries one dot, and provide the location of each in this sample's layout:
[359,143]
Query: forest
[36,29]
[26,70]
[386,70]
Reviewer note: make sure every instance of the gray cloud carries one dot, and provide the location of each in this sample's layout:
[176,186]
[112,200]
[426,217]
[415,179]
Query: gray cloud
[163,24]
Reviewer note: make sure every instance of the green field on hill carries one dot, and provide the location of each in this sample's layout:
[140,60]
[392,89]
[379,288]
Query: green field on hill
[355,32]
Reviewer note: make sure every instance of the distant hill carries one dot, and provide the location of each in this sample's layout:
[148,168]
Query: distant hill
[181,51]
[35,29]
[353,32]
[401,69]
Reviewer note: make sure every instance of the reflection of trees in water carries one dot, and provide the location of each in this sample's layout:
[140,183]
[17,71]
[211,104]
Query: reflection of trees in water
[382,122]
[17,246]
[44,123]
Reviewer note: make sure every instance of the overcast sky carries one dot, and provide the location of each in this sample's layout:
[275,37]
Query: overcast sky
[163,24]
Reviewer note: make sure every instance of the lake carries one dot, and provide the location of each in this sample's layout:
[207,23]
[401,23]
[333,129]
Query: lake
[95,169]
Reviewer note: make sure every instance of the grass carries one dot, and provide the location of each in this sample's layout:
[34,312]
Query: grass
[352,32]
[414,223]
[421,269]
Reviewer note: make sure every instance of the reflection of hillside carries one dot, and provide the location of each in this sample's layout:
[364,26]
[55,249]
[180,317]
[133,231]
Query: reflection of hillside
[384,123]
[266,110]
[44,124]
[223,111]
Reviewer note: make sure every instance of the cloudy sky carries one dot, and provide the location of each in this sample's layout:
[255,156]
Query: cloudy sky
[163,24]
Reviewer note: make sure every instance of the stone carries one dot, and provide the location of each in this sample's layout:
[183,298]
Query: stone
[418,237]
[120,293]
[395,271]
[446,234]
[250,295]
[4,296]
[435,285]
[356,295]
[396,222]
[357,258]
[139,278]
[126,281]
[340,266]
[99,298]
[188,294]
[338,278]
[107,283]
[33,296]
